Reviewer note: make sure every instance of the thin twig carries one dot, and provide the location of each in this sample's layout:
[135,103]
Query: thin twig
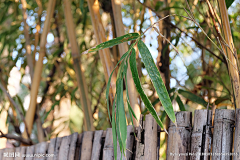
[17,138]
[174,26]
[16,106]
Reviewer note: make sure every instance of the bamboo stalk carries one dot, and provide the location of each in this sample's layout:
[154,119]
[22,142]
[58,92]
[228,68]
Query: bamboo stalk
[230,52]
[27,39]
[78,69]
[38,69]
[123,48]
[105,57]
[30,59]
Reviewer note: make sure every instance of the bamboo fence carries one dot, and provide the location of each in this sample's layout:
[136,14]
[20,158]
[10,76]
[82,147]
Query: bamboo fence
[207,138]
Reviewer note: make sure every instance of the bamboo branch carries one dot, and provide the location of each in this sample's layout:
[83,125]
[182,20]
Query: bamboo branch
[99,31]
[229,51]
[17,138]
[123,48]
[88,120]
[38,69]
[27,38]
[174,26]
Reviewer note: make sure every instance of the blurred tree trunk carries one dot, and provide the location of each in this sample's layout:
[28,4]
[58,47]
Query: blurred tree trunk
[163,49]
[123,48]
[88,120]
[163,55]
[105,57]
[38,70]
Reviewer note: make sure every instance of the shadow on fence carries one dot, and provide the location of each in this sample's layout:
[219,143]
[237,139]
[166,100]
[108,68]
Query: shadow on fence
[185,142]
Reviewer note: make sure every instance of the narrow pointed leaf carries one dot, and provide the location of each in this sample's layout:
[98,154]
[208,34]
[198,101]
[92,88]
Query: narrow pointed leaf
[193,97]
[121,114]
[109,80]
[156,80]
[146,101]
[180,103]
[113,42]
[131,112]
[114,129]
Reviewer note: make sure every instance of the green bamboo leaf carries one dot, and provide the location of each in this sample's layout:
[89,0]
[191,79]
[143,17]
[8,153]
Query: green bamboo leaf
[121,114]
[109,80]
[113,42]
[163,115]
[156,80]
[192,97]
[114,129]
[131,112]
[180,103]
[146,101]
[169,92]
[221,99]
[21,105]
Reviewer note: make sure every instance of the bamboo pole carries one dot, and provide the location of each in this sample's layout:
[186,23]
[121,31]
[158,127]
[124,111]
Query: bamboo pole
[230,52]
[30,59]
[123,48]
[78,69]
[38,69]
[105,57]
[27,39]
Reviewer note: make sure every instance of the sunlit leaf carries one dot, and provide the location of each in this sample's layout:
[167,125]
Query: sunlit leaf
[146,101]
[110,77]
[121,113]
[109,80]
[157,81]
[113,42]
[114,129]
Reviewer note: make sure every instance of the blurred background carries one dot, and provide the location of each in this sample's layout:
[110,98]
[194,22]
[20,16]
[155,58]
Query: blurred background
[195,76]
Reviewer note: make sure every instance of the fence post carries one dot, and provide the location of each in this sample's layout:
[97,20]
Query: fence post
[108,150]
[223,134]
[57,148]
[237,136]
[201,135]
[139,154]
[150,138]
[19,152]
[179,138]
[86,150]
[96,149]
